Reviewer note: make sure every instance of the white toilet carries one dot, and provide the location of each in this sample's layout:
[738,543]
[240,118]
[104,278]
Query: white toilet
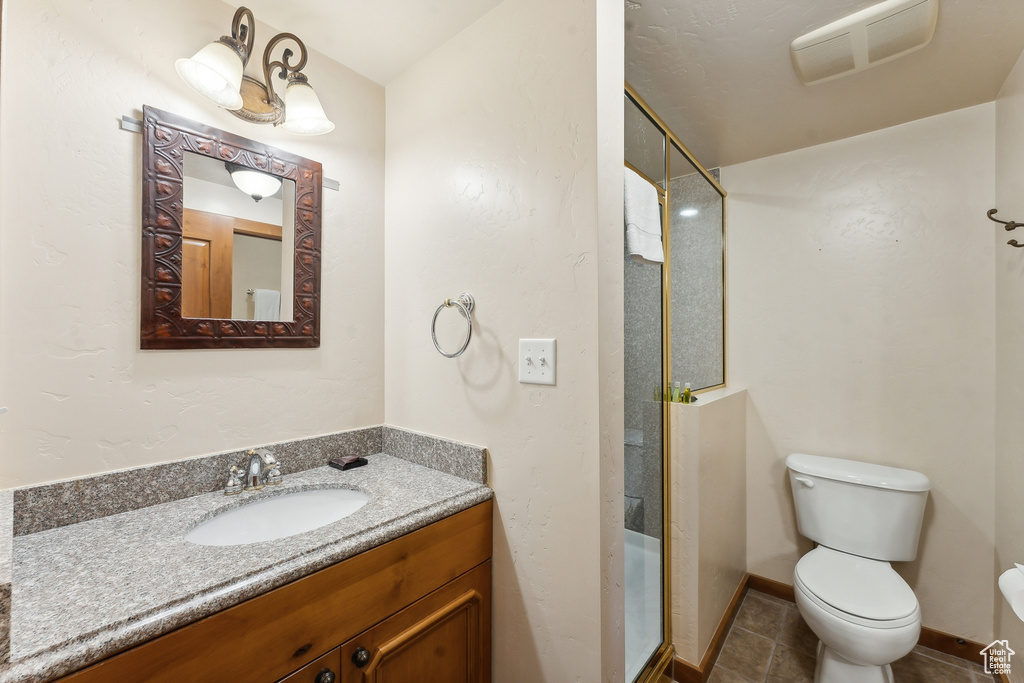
[863,517]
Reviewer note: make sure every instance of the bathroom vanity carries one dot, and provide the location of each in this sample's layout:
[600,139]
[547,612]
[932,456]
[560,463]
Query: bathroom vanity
[416,604]
[397,587]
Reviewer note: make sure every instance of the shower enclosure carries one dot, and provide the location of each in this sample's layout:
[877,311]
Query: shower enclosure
[674,332]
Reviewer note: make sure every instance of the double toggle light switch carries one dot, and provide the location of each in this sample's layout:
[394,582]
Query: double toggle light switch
[536,361]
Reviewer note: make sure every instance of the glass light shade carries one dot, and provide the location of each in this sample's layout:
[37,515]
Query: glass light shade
[255,184]
[215,72]
[303,113]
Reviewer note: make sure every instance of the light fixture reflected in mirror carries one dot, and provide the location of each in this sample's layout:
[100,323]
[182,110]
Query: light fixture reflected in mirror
[215,72]
[253,183]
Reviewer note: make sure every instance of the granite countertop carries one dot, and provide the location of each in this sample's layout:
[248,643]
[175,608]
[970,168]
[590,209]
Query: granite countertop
[85,591]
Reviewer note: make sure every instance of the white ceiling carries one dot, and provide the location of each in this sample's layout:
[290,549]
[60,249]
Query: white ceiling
[718,72]
[379,40]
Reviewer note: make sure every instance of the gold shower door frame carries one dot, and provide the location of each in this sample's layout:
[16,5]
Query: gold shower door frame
[659,670]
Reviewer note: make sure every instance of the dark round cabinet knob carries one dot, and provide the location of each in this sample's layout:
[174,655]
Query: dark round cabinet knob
[361,657]
[325,676]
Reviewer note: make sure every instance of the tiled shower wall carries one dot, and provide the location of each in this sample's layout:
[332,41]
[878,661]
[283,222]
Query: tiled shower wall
[643,358]
[698,281]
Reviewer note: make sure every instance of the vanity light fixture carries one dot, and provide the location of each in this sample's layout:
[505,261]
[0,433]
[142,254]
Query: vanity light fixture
[253,183]
[689,212]
[215,72]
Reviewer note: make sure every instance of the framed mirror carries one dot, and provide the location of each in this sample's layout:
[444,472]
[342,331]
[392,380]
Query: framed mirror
[230,240]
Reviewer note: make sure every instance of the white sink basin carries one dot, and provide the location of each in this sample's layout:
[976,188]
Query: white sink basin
[278,517]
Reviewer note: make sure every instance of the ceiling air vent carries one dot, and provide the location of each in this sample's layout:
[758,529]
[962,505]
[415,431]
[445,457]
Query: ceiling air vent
[864,39]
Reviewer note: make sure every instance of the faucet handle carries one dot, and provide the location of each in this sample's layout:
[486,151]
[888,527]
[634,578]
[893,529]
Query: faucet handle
[274,476]
[234,484]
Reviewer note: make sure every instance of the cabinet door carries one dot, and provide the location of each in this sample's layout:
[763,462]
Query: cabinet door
[443,638]
[322,670]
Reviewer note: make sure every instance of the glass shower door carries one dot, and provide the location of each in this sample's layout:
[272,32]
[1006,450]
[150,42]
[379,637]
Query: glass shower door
[644,419]
[674,319]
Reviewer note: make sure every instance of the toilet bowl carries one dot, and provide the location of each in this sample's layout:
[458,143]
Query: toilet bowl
[863,517]
[865,615]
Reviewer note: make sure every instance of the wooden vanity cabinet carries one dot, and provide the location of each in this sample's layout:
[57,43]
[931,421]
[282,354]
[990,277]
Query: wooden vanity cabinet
[420,607]
[444,637]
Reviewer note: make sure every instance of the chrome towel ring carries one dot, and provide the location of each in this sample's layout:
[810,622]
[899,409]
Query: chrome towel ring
[465,305]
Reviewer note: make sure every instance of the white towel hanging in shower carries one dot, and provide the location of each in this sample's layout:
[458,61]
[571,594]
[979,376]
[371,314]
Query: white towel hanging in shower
[642,215]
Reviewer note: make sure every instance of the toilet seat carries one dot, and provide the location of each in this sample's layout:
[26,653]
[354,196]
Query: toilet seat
[856,589]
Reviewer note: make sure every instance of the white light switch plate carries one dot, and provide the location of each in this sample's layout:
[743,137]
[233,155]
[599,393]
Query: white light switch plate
[536,361]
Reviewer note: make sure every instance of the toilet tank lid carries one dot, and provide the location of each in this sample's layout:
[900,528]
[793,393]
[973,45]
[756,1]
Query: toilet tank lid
[854,472]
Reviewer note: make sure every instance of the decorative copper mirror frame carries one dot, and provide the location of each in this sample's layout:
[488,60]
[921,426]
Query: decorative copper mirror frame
[167,137]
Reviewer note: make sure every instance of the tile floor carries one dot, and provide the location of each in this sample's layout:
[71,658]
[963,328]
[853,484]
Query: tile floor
[770,643]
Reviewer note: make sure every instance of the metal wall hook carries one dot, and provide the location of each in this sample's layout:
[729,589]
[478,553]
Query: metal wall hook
[1007,225]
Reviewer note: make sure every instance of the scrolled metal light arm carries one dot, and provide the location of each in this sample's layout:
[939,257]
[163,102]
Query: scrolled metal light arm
[260,102]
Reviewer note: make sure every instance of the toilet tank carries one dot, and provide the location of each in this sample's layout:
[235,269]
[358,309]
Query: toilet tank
[856,507]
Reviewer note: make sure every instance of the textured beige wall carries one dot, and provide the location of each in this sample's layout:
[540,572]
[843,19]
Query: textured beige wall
[685,531]
[709,516]
[861,318]
[82,397]
[1009,459]
[610,145]
[495,157]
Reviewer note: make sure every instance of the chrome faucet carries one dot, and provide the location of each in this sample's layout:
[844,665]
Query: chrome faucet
[254,472]
[261,469]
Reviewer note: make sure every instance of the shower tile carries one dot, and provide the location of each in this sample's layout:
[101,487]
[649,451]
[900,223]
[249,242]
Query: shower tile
[634,514]
[653,456]
[634,464]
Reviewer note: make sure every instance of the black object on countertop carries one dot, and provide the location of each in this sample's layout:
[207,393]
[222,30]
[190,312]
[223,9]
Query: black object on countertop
[347,462]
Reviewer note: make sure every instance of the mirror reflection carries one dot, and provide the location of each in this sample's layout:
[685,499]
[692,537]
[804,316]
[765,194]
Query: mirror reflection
[237,243]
